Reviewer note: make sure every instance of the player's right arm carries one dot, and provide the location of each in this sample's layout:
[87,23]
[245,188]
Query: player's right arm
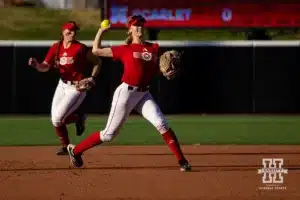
[41,67]
[116,52]
[97,49]
[46,64]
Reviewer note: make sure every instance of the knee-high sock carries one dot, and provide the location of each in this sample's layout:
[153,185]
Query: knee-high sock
[62,133]
[91,141]
[172,141]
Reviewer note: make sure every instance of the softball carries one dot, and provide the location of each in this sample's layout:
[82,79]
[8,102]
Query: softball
[105,23]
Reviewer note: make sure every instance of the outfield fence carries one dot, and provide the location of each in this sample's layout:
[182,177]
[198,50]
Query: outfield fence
[217,77]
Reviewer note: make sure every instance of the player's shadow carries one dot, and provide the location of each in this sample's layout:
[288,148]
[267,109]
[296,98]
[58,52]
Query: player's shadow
[195,168]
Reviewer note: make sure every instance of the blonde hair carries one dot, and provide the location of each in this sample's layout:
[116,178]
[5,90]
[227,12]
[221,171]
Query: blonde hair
[129,38]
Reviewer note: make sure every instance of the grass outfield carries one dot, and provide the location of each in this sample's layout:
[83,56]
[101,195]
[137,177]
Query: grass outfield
[137,131]
[44,24]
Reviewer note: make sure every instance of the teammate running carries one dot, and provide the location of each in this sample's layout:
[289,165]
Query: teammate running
[140,60]
[71,58]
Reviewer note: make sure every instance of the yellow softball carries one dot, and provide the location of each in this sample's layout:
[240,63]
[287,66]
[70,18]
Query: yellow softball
[105,23]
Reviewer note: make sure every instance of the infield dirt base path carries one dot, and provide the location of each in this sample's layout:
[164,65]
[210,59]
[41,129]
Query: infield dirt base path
[145,172]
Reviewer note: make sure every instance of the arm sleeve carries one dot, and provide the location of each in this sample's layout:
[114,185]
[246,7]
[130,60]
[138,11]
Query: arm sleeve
[118,52]
[51,54]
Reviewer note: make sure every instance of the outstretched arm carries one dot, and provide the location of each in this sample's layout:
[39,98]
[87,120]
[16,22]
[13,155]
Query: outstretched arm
[46,64]
[41,67]
[97,49]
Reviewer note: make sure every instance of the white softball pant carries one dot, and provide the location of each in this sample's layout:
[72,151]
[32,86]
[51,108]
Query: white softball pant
[124,101]
[65,101]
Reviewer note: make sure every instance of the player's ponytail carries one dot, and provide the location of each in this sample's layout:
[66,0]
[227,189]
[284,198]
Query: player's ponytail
[56,58]
[129,39]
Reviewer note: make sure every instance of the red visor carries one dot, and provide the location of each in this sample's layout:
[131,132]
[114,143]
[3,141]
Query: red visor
[70,26]
[136,20]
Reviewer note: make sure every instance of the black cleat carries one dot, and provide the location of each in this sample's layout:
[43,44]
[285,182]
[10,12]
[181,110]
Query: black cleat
[80,125]
[62,151]
[185,166]
[76,160]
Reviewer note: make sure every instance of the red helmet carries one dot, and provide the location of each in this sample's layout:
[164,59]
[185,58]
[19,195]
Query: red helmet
[136,20]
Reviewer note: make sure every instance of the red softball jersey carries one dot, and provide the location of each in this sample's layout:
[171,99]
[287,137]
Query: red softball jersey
[72,60]
[140,62]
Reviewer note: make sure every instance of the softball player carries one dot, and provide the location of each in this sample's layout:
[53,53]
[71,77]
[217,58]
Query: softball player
[71,58]
[140,66]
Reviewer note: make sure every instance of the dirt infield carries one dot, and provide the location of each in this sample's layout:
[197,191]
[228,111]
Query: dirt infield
[144,172]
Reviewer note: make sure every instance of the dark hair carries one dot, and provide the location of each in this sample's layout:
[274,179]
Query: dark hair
[56,57]
[60,42]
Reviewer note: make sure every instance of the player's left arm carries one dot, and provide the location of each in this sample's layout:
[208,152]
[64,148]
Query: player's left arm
[87,83]
[95,62]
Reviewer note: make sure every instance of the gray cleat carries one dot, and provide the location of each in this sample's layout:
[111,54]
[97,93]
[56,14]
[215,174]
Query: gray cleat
[76,160]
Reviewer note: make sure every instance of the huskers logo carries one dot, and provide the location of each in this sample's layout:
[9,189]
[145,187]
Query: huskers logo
[144,55]
[66,60]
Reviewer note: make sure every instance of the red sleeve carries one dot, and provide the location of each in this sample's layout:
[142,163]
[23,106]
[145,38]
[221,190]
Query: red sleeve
[51,54]
[118,52]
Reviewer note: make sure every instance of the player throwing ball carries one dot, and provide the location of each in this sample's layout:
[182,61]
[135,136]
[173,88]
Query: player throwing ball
[71,58]
[140,60]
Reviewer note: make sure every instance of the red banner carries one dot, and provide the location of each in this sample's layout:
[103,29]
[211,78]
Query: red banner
[205,13]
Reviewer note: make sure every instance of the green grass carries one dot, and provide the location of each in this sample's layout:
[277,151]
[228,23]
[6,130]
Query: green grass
[44,24]
[137,131]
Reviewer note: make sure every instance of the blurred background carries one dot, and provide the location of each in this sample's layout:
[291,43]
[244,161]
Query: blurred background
[55,4]
[239,58]
[204,19]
